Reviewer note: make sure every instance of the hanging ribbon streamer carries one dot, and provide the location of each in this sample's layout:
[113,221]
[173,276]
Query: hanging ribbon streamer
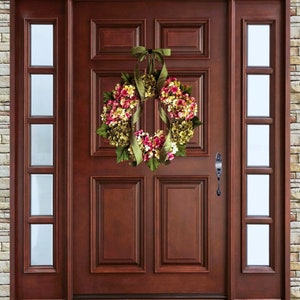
[142,53]
[166,148]
[136,149]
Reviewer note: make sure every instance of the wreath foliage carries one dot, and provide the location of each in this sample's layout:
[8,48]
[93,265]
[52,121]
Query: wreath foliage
[123,107]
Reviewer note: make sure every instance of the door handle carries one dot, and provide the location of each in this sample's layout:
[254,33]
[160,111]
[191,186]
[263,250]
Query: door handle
[218,166]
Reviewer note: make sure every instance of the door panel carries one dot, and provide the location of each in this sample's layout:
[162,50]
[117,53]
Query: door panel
[117,210]
[181,226]
[135,231]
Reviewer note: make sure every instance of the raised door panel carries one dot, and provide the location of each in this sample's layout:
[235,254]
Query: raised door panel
[117,225]
[113,38]
[184,37]
[181,224]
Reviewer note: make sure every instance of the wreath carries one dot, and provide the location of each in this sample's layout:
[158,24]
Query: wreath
[124,105]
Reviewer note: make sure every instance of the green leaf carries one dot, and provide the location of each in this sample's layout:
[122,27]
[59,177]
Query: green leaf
[107,96]
[167,162]
[163,115]
[186,89]
[102,130]
[181,150]
[126,78]
[153,163]
[133,163]
[122,154]
[196,122]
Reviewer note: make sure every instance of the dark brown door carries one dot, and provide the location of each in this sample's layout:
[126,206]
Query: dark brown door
[136,231]
[85,227]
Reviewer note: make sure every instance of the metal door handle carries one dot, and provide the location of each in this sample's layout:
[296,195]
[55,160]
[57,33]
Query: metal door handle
[218,166]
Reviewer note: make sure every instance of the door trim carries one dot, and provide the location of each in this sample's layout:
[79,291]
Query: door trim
[69,179]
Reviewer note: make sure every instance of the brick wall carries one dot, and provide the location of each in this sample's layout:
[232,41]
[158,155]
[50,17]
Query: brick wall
[295,149]
[4,149]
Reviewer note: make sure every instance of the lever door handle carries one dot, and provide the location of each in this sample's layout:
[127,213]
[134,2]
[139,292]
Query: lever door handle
[218,166]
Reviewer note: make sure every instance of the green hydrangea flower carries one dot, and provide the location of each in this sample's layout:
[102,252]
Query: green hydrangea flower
[119,134]
[181,131]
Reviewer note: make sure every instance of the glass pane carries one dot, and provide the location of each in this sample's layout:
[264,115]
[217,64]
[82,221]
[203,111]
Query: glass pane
[258,143]
[41,245]
[42,95]
[258,245]
[41,44]
[258,190]
[41,194]
[258,45]
[42,144]
[258,95]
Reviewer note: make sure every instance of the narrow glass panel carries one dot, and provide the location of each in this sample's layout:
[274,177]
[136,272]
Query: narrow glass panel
[258,45]
[258,95]
[41,44]
[258,144]
[258,245]
[41,245]
[258,198]
[42,95]
[41,194]
[42,144]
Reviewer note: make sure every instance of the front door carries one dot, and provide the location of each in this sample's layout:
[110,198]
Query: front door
[137,231]
[85,227]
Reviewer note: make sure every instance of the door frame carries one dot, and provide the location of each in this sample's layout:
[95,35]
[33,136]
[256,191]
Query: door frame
[233,213]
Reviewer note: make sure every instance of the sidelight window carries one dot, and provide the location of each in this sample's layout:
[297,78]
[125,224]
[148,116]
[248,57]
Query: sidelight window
[40,216]
[258,194]
[258,245]
[42,44]
[41,136]
[258,145]
[41,196]
[258,95]
[41,244]
[258,129]
[258,45]
[41,100]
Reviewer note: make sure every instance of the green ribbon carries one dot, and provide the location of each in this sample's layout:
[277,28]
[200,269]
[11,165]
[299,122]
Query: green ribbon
[165,148]
[133,141]
[163,115]
[136,149]
[141,53]
[139,83]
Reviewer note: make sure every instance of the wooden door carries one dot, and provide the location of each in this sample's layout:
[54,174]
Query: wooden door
[95,229]
[136,231]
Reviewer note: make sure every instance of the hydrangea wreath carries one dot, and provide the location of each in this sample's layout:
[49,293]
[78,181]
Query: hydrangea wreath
[123,107]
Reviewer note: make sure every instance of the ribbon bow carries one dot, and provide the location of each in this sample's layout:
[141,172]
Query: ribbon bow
[142,53]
